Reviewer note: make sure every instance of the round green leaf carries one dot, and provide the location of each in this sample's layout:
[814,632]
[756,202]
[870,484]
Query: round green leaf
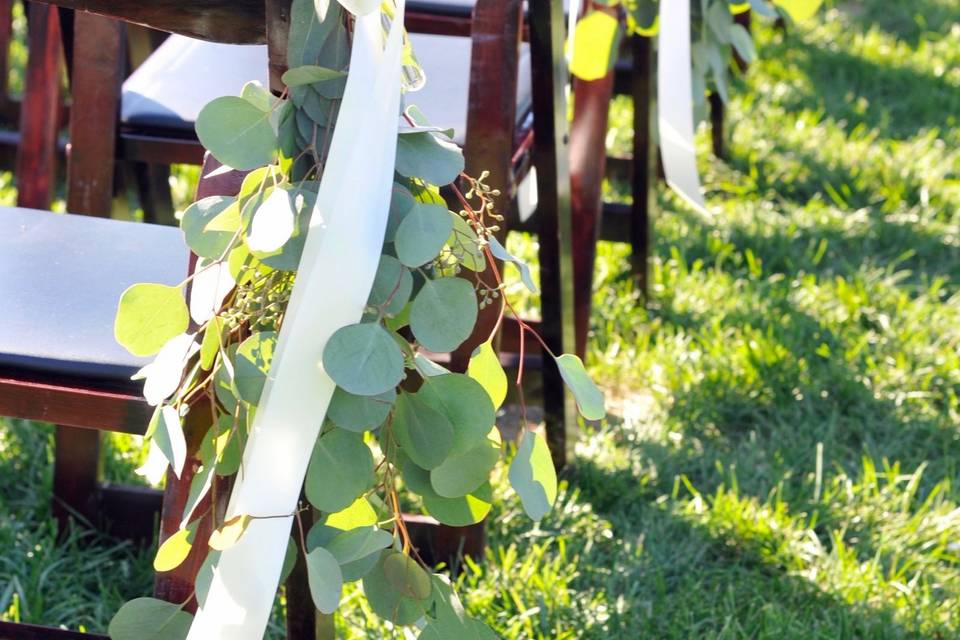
[466,405]
[393,282]
[465,245]
[486,369]
[401,203]
[386,600]
[363,359]
[407,576]
[597,39]
[460,474]
[443,314]
[253,363]
[360,413]
[150,619]
[589,398]
[425,434]
[148,316]
[460,512]
[422,234]
[173,551]
[428,156]
[326,581]
[237,133]
[355,544]
[533,476]
[309,74]
[209,242]
[340,470]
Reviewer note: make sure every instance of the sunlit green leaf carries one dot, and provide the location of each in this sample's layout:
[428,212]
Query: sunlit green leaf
[150,619]
[596,43]
[237,133]
[253,359]
[309,74]
[148,316]
[209,242]
[589,398]
[533,477]
[486,369]
[174,550]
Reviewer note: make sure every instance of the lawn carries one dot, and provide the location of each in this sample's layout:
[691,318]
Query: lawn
[782,458]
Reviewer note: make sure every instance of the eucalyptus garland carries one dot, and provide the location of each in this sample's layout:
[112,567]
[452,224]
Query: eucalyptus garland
[400,429]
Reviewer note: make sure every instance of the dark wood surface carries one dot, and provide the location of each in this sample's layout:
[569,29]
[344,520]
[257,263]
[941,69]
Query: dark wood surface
[645,152]
[39,122]
[551,157]
[588,153]
[230,21]
[16,631]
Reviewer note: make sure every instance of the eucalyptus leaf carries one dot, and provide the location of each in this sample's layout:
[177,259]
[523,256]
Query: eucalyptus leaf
[148,316]
[742,41]
[170,440]
[174,550]
[309,74]
[407,576]
[326,581]
[422,234]
[358,514]
[462,473]
[237,133]
[205,576]
[253,359]
[461,512]
[355,544]
[392,286]
[444,313]
[466,405]
[208,243]
[360,413]
[589,398]
[272,223]
[486,369]
[230,533]
[363,359]
[430,157]
[533,477]
[500,252]
[360,7]
[311,23]
[465,245]
[254,93]
[386,600]
[401,203]
[596,44]
[210,345]
[341,469]
[150,619]
[425,433]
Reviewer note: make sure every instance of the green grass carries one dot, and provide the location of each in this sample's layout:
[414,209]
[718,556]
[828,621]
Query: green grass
[783,454]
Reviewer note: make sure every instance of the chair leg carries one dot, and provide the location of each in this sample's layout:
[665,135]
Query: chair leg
[153,190]
[645,159]
[76,470]
[302,615]
[591,110]
[716,125]
[37,152]
[6,38]
[551,157]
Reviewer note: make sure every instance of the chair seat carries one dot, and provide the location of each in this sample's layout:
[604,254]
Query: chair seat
[61,277]
[169,89]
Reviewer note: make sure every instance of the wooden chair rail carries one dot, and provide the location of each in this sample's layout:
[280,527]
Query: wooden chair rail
[17,631]
[72,403]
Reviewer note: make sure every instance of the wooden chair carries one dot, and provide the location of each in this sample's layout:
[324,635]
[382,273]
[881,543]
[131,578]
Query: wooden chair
[67,370]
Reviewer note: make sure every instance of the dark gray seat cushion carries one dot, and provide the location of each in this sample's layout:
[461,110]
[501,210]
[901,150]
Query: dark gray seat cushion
[60,279]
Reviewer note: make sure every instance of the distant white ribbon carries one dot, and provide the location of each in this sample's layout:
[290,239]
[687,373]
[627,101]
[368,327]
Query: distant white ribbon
[675,103]
[333,283]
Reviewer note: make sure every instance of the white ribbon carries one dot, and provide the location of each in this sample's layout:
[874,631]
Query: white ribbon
[333,283]
[675,103]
